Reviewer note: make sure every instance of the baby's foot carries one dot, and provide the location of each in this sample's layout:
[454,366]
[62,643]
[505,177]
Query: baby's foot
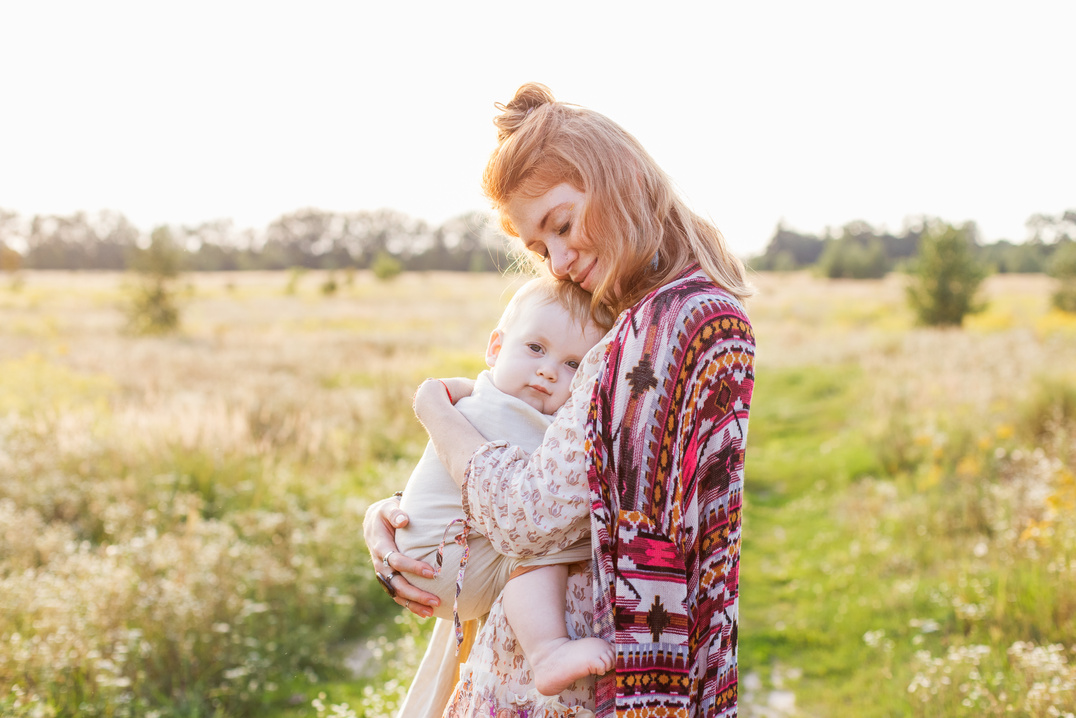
[566,661]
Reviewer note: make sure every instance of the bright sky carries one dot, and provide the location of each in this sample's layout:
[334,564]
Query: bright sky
[817,113]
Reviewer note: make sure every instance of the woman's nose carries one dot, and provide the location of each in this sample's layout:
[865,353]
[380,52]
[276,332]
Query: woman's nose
[560,259]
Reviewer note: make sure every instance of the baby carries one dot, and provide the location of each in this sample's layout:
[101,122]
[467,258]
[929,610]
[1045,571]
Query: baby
[532,354]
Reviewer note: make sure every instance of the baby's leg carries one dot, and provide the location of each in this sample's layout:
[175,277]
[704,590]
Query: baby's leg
[534,604]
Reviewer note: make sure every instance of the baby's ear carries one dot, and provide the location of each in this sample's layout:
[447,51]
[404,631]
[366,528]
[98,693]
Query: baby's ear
[493,349]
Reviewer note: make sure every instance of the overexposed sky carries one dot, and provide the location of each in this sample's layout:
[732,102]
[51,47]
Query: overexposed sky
[815,113]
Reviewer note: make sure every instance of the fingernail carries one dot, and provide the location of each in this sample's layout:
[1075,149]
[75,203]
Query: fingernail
[427,573]
[398,521]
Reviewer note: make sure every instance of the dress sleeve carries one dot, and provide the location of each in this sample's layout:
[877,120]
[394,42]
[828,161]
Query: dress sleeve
[534,504]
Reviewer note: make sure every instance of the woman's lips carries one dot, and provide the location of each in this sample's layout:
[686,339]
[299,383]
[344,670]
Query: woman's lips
[586,275]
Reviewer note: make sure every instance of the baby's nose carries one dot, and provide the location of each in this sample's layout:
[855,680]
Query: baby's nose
[548,371]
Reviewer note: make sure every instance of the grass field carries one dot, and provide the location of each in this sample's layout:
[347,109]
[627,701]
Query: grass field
[180,516]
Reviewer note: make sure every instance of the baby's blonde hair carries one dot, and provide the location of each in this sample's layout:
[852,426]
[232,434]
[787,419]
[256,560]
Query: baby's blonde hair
[633,216]
[546,290]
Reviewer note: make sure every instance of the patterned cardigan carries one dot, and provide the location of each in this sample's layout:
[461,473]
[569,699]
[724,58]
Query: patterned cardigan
[665,437]
[664,401]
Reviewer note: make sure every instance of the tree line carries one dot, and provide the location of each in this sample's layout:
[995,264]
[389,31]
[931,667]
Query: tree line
[318,239]
[859,251]
[307,238]
[946,264]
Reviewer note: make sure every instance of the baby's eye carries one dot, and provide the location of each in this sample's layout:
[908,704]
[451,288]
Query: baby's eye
[536,348]
[573,365]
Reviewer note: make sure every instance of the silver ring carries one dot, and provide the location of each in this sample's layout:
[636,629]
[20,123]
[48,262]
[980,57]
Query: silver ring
[385,559]
[407,604]
[386,583]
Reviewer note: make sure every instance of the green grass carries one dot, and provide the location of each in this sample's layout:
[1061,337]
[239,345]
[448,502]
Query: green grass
[850,574]
[794,585]
[812,585]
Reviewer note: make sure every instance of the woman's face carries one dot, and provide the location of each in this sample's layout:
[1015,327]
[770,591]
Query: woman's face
[550,225]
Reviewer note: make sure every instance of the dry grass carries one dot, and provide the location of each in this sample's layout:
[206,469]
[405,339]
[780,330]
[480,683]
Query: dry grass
[179,516]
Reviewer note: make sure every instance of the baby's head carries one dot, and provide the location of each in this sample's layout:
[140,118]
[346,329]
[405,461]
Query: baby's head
[540,341]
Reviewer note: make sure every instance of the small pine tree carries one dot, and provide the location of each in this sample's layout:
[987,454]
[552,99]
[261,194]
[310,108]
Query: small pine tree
[153,307]
[945,276]
[1063,268]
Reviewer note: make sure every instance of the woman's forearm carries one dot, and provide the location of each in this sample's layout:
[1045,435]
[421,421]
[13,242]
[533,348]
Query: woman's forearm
[529,504]
[454,438]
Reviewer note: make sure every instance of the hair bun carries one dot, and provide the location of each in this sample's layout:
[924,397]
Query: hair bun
[528,98]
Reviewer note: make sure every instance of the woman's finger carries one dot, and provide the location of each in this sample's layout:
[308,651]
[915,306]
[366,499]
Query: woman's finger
[412,598]
[379,529]
[405,564]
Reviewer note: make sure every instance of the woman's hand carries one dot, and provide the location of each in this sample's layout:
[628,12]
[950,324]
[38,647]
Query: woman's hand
[379,530]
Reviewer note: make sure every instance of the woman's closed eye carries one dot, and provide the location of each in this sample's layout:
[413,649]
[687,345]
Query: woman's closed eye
[565,229]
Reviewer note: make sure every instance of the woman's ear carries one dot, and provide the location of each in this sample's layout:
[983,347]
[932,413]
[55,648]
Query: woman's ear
[493,349]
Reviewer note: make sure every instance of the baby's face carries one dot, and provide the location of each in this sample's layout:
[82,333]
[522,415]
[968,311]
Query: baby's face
[536,358]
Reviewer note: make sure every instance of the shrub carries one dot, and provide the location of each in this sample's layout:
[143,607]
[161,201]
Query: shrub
[1063,268]
[946,276]
[853,258]
[295,274]
[386,266]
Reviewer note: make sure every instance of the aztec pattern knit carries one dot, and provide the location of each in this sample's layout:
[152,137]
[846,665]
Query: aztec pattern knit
[666,436]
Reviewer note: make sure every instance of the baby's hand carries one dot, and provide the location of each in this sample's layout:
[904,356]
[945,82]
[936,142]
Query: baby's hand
[458,387]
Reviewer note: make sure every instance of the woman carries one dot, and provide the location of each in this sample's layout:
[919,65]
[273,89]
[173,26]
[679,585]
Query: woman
[648,453]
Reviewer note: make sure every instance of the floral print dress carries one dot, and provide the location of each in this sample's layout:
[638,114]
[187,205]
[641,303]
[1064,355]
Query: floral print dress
[503,486]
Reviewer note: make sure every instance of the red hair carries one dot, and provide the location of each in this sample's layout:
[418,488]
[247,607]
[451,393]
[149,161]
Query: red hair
[631,214]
